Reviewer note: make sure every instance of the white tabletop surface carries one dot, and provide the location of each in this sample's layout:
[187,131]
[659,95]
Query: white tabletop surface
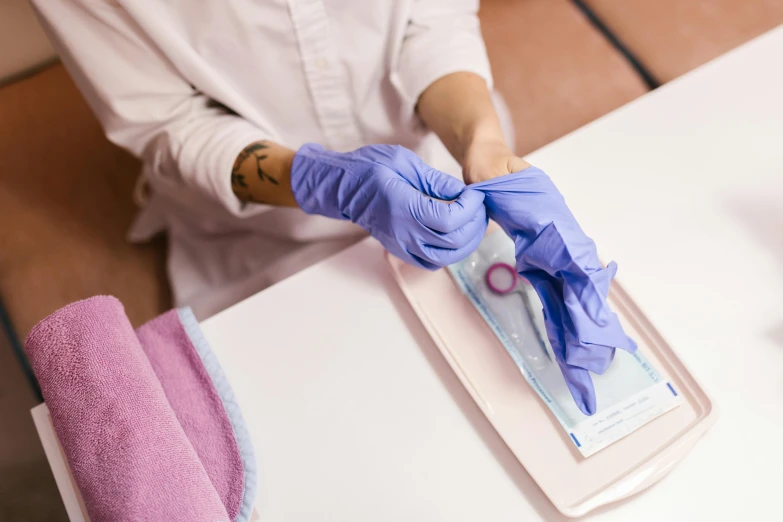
[356,417]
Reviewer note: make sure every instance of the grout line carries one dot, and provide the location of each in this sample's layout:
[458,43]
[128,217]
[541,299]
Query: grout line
[28,72]
[16,346]
[641,70]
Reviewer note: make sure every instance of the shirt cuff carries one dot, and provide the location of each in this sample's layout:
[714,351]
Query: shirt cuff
[206,163]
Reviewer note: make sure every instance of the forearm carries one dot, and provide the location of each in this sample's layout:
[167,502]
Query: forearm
[459,109]
[262,174]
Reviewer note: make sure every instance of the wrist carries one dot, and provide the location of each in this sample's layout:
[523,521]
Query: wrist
[487,159]
[261,174]
[477,135]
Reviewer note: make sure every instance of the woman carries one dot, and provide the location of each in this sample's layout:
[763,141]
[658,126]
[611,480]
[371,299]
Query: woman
[261,125]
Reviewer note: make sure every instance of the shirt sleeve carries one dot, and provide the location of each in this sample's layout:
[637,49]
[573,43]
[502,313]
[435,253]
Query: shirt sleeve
[144,104]
[442,37]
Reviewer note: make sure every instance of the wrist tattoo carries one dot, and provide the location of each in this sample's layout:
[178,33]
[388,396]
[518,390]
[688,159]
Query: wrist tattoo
[251,151]
[237,179]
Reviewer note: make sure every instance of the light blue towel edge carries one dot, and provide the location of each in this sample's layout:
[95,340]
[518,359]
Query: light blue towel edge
[227,397]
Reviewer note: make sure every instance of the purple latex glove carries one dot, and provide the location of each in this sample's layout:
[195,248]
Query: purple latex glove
[562,264]
[389,191]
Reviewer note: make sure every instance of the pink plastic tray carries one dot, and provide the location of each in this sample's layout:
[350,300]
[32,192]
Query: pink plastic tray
[574,484]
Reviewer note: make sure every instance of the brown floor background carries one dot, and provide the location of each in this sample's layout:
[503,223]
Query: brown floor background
[28,492]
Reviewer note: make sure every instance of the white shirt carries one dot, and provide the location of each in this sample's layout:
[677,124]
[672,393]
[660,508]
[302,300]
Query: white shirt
[185,85]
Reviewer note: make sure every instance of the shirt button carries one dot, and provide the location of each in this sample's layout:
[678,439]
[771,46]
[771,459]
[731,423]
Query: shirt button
[322,63]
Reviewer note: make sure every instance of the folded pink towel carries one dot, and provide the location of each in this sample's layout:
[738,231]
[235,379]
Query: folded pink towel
[146,419]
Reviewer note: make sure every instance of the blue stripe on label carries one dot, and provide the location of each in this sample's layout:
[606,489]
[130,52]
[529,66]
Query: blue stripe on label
[575,441]
[671,388]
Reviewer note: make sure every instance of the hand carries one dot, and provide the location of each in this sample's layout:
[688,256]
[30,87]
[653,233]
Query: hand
[391,193]
[490,158]
[562,264]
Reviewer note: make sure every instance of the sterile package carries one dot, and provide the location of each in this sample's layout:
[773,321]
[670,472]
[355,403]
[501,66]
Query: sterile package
[629,394]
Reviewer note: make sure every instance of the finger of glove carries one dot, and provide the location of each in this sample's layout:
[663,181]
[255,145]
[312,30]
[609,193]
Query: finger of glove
[475,229]
[448,256]
[563,335]
[412,169]
[591,346]
[593,357]
[439,185]
[448,217]
[531,179]
[549,293]
[424,263]
[580,384]
[565,252]
[399,250]
[600,328]
[587,286]
[578,380]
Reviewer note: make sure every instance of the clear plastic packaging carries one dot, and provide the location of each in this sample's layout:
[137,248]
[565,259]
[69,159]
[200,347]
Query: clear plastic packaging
[629,394]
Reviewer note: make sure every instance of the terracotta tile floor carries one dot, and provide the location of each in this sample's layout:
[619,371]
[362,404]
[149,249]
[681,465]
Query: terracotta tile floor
[27,489]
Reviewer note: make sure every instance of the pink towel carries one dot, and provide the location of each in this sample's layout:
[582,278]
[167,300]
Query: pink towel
[146,419]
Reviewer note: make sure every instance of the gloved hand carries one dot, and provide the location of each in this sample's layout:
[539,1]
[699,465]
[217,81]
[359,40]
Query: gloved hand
[562,264]
[391,193]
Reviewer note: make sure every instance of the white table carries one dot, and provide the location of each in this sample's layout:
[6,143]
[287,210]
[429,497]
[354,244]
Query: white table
[357,417]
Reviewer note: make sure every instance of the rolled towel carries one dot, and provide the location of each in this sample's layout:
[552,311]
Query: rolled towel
[146,419]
